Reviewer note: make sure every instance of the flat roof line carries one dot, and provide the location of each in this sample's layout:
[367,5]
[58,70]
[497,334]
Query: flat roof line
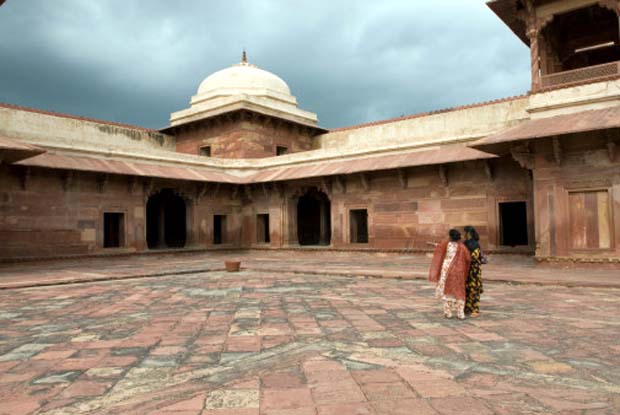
[75,117]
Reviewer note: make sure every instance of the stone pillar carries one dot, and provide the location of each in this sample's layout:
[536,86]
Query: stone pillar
[289,222]
[323,223]
[615,200]
[161,236]
[191,231]
[533,35]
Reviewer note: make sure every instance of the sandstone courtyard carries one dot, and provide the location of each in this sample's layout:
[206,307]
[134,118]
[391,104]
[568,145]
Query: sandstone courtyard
[144,148]
[302,334]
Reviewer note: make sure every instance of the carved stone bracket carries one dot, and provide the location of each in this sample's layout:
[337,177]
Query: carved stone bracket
[148,187]
[523,156]
[557,151]
[613,5]
[280,188]
[534,24]
[278,123]
[488,170]
[188,198]
[341,183]
[403,178]
[102,182]
[326,185]
[611,149]
[201,190]
[24,177]
[256,117]
[443,174]
[230,117]
[67,180]
[266,189]
[365,180]
[134,184]
[543,22]
[247,192]
[235,193]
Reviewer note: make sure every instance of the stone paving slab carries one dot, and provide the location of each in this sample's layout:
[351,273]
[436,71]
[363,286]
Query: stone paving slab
[502,268]
[268,343]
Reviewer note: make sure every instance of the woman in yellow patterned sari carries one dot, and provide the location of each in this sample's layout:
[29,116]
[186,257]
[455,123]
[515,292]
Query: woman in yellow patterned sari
[473,286]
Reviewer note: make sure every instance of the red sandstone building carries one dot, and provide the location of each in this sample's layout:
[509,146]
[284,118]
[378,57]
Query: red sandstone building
[244,167]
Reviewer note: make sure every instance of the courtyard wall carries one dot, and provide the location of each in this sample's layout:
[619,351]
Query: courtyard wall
[51,213]
[407,209]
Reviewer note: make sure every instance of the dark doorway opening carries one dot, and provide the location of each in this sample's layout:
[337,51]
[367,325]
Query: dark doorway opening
[219,229]
[205,151]
[314,219]
[513,224]
[358,226]
[262,229]
[166,220]
[113,230]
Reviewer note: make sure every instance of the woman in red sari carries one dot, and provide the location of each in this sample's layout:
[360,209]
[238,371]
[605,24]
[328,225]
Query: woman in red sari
[449,270]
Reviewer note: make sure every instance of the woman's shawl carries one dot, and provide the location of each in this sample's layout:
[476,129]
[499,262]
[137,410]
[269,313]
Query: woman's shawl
[472,245]
[457,273]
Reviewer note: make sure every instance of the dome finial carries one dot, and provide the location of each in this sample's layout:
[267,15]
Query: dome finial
[244,57]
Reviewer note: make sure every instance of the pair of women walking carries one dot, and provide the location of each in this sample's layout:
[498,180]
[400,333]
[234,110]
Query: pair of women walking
[457,271]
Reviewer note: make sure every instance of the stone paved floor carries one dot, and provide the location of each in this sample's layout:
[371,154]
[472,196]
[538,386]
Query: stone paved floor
[513,268]
[279,343]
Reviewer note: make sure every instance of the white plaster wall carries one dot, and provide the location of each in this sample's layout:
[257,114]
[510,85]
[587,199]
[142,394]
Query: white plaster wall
[459,125]
[51,130]
[450,126]
[66,134]
[570,100]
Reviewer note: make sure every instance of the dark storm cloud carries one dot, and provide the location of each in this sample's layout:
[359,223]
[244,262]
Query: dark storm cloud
[350,61]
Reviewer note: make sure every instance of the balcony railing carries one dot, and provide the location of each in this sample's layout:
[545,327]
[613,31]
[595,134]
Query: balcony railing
[579,75]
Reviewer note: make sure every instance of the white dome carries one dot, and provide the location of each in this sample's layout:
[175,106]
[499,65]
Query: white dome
[243,79]
[243,86]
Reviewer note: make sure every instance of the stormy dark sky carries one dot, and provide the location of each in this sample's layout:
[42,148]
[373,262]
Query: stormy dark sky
[350,61]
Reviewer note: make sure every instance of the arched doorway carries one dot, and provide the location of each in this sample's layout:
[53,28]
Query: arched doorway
[314,218]
[166,220]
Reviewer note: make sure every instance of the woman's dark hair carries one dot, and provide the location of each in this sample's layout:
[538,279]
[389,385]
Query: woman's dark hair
[472,232]
[454,235]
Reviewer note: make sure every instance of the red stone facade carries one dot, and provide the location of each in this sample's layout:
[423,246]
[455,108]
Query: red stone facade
[243,135]
[557,196]
[49,213]
[577,192]
[403,213]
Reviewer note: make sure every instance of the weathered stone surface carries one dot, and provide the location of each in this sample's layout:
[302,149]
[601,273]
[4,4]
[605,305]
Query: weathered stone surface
[546,350]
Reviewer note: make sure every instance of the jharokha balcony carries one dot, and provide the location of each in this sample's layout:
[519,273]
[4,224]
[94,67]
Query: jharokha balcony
[575,76]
